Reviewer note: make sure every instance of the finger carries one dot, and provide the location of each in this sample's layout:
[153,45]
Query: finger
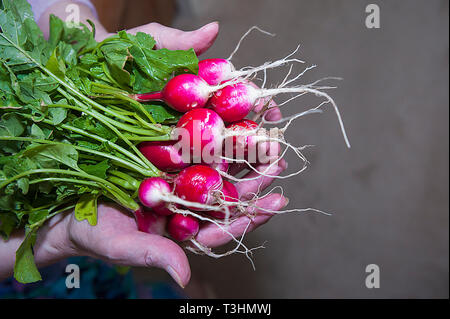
[211,235]
[273,113]
[236,168]
[173,39]
[247,189]
[262,102]
[268,152]
[147,250]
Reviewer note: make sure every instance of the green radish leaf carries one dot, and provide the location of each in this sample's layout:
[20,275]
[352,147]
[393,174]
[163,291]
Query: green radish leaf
[25,270]
[16,165]
[58,114]
[162,113]
[37,132]
[47,154]
[86,208]
[8,222]
[56,66]
[10,125]
[20,31]
[88,59]
[116,55]
[79,38]
[98,169]
[37,216]
[24,184]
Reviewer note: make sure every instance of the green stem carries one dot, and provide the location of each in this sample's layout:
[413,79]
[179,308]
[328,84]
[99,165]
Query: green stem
[125,163]
[82,97]
[122,183]
[149,138]
[81,174]
[124,96]
[126,177]
[125,127]
[118,148]
[90,73]
[108,186]
[101,118]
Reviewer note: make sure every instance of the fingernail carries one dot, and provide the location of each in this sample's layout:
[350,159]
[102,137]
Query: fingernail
[174,275]
[210,24]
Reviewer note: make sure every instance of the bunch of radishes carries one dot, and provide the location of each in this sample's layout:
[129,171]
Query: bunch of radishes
[212,133]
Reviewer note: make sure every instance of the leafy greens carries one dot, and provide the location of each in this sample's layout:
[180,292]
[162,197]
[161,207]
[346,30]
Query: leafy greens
[68,127]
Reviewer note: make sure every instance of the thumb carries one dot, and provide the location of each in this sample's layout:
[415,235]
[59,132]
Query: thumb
[146,250]
[173,39]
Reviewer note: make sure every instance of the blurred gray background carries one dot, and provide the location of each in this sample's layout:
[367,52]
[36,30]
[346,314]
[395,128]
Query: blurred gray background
[389,192]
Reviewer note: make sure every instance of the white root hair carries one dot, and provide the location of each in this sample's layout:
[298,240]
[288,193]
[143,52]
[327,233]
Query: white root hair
[244,36]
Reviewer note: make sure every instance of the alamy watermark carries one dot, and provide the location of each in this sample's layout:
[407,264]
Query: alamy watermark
[73,277]
[373,277]
[73,15]
[373,16]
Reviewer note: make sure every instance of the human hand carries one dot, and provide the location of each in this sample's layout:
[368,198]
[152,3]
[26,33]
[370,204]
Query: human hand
[173,39]
[116,238]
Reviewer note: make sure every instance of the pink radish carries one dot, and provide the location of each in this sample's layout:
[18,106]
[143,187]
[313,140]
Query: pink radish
[234,102]
[230,195]
[149,222]
[242,143]
[251,147]
[183,93]
[198,183]
[163,155]
[215,71]
[163,210]
[201,131]
[182,228]
[152,192]
[195,187]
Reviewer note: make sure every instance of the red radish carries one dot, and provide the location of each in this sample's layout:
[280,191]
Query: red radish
[201,131]
[215,71]
[183,93]
[194,187]
[182,227]
[149,222]
[164,155]
[234,102]
[198,183]
[163,210]
[152,191]
[242,143]
[230,194]
[251,142]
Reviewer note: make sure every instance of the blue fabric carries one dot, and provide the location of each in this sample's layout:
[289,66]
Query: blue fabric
[97,280]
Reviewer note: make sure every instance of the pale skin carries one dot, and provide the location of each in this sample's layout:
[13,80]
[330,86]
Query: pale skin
[115,238]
